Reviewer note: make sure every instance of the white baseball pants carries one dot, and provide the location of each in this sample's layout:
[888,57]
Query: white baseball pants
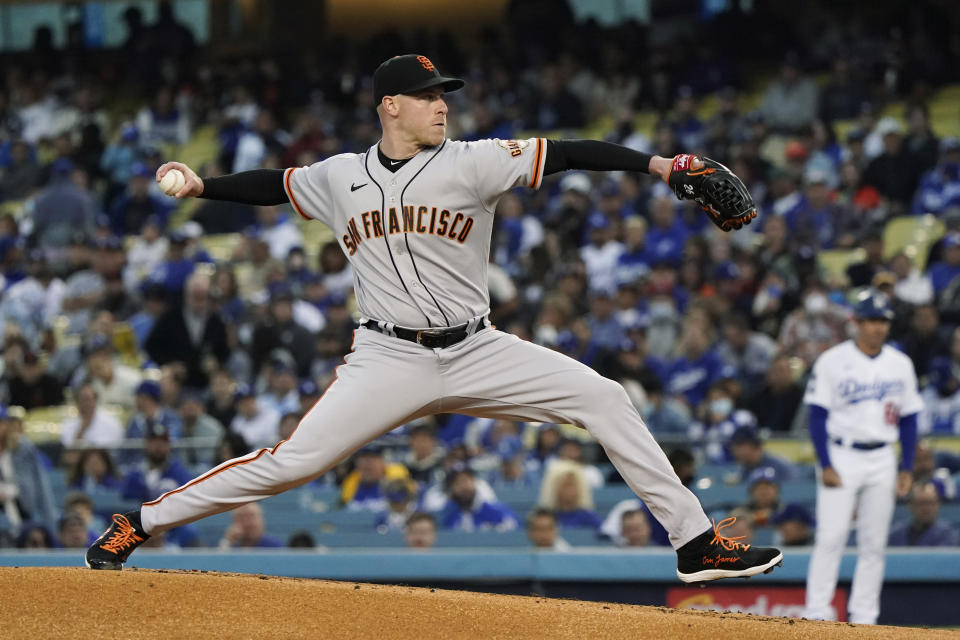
[386,382]
[868,492]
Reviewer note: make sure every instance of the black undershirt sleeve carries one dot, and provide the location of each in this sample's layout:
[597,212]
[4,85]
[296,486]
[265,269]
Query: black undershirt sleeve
[260,186]
[593,155]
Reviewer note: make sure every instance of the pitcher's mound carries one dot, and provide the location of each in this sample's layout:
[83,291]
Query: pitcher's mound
[80,603]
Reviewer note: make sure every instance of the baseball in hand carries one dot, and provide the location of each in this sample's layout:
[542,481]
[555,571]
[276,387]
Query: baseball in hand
[172,182]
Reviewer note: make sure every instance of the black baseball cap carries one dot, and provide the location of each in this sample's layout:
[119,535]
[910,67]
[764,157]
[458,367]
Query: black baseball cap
[407,74]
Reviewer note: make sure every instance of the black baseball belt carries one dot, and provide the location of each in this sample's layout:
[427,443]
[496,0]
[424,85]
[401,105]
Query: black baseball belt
[438,338]
[862,446]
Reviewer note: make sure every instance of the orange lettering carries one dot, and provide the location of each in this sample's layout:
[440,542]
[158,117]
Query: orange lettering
[407,219]
[377,227]
[394,225]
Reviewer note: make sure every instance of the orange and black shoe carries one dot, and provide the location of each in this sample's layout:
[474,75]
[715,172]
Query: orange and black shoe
[712,556]
[116,544]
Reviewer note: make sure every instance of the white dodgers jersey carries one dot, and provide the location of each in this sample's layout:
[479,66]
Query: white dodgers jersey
[865,396]
[418,238]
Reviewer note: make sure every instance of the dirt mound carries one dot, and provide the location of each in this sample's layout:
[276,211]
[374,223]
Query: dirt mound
[79,603]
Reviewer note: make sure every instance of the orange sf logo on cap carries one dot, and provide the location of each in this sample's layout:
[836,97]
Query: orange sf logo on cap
[425,61]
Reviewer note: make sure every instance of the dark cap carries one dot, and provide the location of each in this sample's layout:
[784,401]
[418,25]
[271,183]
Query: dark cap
[745,435]
[407,74]
[873,305]
[371,450]
[794,512]
[98,342]
[149,388]
[244,391]
[308,388]
[763,474]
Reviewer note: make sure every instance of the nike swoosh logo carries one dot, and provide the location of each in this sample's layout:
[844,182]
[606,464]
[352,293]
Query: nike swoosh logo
[354,187]
[393,162]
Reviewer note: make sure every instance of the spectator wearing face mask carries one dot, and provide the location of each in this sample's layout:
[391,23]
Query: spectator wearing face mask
[815,327]
[719,419]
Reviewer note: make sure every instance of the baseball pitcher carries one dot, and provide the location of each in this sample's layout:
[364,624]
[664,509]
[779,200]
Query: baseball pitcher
[414,215]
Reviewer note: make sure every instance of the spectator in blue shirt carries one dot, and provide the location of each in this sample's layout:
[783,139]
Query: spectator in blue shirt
[667,234]
[133,208]
[248,530]
[815,215]
[62,208]
[154,297]
[940,187]
[763,490]
[605,330]
[158,472]
[942,273]
[924,528]
[282,397]
[466,511]
[176,268]
[663,414]
[401,503]
[794,525]
[25,492]
[699,366]
[149,411]
[512,471]
[566,491]
[545,447]
[926,470]
[690,132]
[94,469]
[120,157]
[746,447]
[634,261]
[720,419]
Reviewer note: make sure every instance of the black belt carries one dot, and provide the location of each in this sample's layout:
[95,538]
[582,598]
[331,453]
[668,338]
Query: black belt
[430,338]
[862,446]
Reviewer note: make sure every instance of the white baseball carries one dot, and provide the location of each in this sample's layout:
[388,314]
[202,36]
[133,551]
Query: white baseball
[172,182]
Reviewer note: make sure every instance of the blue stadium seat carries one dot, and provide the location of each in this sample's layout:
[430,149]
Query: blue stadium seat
[584,538]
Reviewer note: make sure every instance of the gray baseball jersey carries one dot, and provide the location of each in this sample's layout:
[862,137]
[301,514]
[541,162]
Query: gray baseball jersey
[418,239]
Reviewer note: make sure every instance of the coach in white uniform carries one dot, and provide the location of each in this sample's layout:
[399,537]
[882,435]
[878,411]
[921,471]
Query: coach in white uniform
[862,397]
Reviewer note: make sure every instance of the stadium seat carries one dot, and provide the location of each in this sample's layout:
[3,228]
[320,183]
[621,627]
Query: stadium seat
[834,262]
[43,424]
[221,246]
[913,234]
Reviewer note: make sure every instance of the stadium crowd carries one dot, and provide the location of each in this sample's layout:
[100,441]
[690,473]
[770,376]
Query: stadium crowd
[175,355]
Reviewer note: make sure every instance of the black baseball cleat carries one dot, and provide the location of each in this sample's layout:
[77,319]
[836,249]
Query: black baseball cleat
[711,556]
[116,544]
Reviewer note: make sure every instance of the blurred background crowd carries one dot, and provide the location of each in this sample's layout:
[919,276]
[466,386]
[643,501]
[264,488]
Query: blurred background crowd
[146,339]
